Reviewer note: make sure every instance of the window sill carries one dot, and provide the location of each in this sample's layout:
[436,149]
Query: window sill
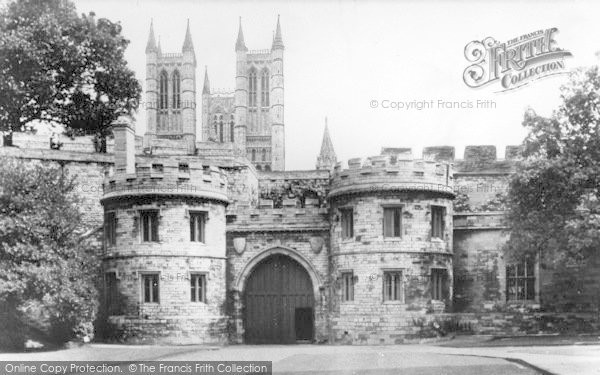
[392,239]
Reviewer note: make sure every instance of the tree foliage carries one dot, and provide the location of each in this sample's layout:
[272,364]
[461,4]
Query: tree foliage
[59,67]
[553,196]
[45,266]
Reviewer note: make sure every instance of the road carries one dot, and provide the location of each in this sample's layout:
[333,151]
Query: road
[304,359]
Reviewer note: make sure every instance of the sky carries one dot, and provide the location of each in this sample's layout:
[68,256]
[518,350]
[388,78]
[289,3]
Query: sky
[346,60]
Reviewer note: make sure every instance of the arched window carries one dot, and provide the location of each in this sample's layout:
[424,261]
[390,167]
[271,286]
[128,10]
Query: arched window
[253,155]
[252,89]
[264,155]
[176,90]
[215,123]
[264,88]
[221,131]
[163,95]
[231,129]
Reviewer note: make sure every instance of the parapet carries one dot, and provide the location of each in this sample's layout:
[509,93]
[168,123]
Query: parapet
[271,219]
[392,173]
[168,177]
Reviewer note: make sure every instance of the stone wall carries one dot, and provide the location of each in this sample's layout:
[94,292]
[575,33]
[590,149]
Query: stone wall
[88,169]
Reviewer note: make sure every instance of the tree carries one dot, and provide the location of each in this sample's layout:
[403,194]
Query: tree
[47,272]
[58,67]
[553,205]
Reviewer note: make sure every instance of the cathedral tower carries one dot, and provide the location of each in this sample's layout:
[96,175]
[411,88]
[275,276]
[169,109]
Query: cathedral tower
[258,101]
[170,96]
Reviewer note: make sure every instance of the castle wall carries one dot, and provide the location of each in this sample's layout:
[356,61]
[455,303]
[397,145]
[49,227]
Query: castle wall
[88,169]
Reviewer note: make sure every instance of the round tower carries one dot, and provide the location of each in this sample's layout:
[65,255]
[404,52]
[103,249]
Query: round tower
[241,94]
[391,246]
[164,259]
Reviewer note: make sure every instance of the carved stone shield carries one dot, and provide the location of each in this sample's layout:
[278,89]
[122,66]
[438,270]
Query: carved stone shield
[316,244]
[239,244]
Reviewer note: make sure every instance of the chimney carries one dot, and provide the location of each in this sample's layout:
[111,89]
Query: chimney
[124,133]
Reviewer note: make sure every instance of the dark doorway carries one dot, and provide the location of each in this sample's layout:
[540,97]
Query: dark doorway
[279,303]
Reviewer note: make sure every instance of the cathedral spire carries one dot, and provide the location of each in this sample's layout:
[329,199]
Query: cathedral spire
[159,50]
[278,40]
[239,44]
[151,45]
[327,158]
[206,88]
[187,43]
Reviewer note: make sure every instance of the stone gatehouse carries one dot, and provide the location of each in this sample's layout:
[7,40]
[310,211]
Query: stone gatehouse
[213,241]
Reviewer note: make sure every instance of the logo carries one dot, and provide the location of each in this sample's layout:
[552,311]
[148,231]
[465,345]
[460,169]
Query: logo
[515,63]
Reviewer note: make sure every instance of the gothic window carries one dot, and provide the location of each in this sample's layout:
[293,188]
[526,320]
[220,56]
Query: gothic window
[215,123]
[264,88]
[252,86]
[162,90]
[221,131]
[253,155]
[176,90]
[264,154]
[197,226]
[231,126]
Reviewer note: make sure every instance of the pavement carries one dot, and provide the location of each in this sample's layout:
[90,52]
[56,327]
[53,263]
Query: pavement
[462,356]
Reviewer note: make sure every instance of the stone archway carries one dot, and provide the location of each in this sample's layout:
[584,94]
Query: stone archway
[279,302]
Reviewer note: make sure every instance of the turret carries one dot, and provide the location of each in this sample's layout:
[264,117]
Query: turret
[277,125]
[188,92]
[152,52]
[241,94]
[327,158]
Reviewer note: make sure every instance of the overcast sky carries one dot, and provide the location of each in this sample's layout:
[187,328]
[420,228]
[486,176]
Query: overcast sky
[341,55]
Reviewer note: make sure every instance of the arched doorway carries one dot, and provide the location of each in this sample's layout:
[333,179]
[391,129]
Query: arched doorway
[279,302]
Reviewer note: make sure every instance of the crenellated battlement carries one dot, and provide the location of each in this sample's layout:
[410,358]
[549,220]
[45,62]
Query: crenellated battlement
[168,177]
[391,172]
[287,218]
